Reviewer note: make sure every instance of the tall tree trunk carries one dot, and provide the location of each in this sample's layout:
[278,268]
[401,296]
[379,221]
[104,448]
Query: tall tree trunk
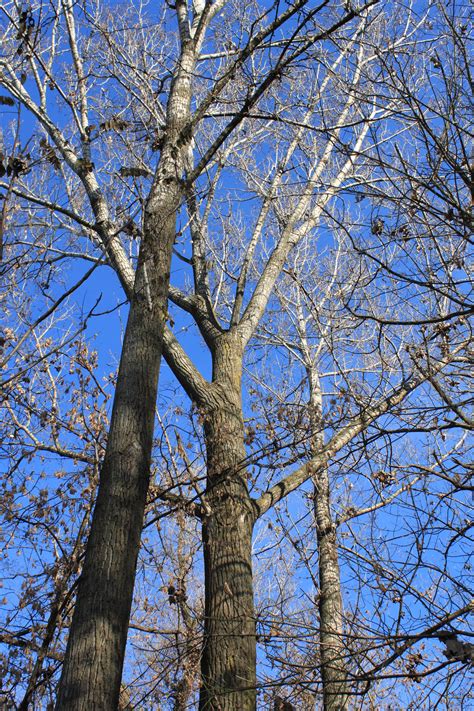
[228,665]
[93,663]
[331,641]
[333,662]
[95,652]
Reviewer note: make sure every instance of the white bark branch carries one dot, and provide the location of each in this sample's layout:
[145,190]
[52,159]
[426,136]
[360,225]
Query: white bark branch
[284,487]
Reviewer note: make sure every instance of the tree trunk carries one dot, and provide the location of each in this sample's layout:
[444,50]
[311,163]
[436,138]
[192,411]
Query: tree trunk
[331,641]
[95,652]
[93,663]
[228,667]
[333,663]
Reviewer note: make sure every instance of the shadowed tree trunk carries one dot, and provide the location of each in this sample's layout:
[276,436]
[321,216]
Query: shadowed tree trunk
[94,658]
[95,652]
[229,654]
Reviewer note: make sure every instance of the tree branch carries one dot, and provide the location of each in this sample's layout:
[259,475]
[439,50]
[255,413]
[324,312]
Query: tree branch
[195,386]
[284,487]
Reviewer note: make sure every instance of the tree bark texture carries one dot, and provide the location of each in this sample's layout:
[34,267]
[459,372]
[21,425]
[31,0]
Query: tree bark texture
[95,652]
[93,663]
[228,666]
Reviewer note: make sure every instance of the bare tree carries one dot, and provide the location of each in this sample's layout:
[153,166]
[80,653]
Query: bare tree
[410,330]
[93,664]
[247,140]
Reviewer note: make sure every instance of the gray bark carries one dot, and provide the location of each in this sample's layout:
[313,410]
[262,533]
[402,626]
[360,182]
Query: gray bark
[331,640]
[228,662]
[93,663]
[228,665]
[95,652]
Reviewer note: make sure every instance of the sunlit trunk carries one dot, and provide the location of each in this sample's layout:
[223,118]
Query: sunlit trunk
[333,656]
[331,640]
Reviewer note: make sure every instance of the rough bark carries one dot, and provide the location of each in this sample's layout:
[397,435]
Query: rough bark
[95,652]
[228,664]
[94,658]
